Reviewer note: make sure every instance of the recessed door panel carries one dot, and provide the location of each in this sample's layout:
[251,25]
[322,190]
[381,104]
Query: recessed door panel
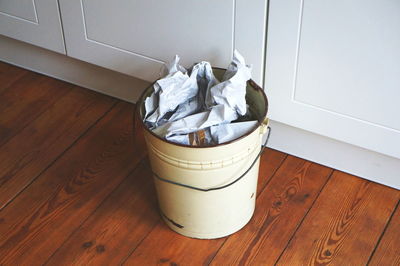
[158,29]
[23,9]
[137,36]
[33,21]
[349,62]
[333,68]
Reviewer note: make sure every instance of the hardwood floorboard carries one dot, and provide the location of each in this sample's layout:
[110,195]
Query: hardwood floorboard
[128,214]
[270,162]
[343,225]
[76,189]
[25,100]
[41,218]
[35,147]
[280,208]
[388,250]
[9,74]
[165,246]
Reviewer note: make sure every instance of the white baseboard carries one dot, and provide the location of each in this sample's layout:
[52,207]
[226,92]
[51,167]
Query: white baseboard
[336,154]
[342,156]
[71,70]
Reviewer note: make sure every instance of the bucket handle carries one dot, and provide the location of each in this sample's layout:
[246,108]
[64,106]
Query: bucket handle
[223,186]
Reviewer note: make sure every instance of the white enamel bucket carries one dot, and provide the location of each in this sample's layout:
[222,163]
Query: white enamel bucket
[208,192]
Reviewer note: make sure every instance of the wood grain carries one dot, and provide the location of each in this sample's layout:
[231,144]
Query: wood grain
[279,210]
[25,100]
[41,218]
[9,74]
[270,162]
[116,227]
[163,246]
[34,148]
[344,224]
[77,191]
[388,250]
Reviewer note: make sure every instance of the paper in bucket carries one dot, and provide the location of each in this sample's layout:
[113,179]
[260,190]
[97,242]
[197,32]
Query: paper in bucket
[193,107]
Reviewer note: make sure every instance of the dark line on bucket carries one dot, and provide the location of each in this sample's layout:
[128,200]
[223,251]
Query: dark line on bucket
[172,221]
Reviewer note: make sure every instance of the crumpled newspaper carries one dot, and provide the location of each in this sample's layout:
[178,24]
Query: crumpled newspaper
[194,108]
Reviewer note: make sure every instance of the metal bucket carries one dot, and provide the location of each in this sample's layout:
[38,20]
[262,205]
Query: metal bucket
[208,192]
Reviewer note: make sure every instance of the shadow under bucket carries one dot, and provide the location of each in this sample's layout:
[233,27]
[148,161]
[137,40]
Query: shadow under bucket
[208,192]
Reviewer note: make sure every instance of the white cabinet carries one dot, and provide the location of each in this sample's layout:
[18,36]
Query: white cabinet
[135,37]
[333,68]
[33,21]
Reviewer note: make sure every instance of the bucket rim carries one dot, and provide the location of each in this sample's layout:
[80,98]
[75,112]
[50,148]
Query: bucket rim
[250,82]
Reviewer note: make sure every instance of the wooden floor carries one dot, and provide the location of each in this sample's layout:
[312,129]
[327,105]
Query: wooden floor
[76,188]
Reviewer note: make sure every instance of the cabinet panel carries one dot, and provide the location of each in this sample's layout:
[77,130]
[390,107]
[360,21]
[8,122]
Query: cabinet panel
[156,29]
[136,36]
[23,9]
[333,68]
[349,62]
[33,21]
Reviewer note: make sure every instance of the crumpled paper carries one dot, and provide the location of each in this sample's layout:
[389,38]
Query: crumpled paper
[184,103]
[228,132]
[169,92]
[232,90]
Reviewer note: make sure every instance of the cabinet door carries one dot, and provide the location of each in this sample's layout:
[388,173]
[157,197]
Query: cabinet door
[135,37]
[33,21]
[333,68]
